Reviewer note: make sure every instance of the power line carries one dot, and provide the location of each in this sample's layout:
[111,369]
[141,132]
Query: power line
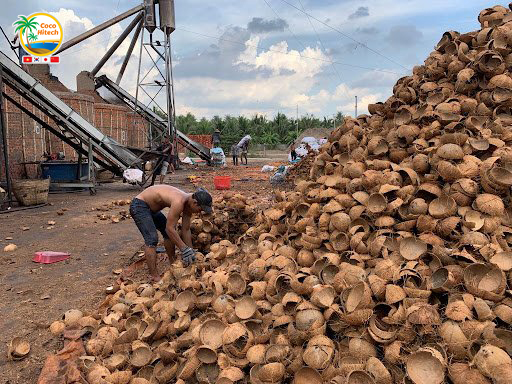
[345,35]
[319,39]
[218,38]
[293,34]
[287,53]
[287,27]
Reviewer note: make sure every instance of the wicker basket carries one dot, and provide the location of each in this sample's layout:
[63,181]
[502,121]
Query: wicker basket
[31,192]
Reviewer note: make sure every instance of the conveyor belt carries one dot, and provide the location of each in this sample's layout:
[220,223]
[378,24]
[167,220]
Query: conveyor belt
[154,119]
[71,127]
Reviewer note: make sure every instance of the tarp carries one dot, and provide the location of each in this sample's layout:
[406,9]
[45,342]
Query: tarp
[133,176]
[245,139]
[218,155]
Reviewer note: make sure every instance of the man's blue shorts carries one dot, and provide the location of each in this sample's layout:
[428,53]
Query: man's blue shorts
[148,222]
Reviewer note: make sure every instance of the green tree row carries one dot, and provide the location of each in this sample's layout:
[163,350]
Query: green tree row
[270,132]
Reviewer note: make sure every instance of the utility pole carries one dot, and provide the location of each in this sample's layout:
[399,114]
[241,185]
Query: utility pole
[297,120]
[334,122]
[356,108]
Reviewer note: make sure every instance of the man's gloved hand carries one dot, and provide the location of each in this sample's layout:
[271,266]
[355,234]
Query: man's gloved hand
[188,255]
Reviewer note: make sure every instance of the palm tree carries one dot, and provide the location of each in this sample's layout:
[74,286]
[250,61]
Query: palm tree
[33,37]
[26,26]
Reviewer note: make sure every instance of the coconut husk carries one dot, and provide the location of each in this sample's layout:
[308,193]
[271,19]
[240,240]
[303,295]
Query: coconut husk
[307,375]
[18,348]
[211,333]
[271,372]
[494,363]
[461,373]
[424,367]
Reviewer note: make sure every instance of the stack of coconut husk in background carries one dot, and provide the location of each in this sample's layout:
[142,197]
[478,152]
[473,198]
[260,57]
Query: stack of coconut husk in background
[232,216]
[301,169]
[390,264]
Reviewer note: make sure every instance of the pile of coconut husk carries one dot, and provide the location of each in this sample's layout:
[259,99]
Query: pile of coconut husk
[301,169]
[391,263]
[232,215]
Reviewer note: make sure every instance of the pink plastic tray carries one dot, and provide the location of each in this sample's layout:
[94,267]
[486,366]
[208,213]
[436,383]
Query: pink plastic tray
[48,257]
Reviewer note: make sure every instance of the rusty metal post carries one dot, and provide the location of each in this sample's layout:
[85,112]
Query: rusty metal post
[3,133]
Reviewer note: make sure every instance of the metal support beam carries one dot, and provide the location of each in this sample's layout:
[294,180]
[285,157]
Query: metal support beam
[99,28]
[168,86]
[129,52]
[116,44]
[3,133]
[52,129]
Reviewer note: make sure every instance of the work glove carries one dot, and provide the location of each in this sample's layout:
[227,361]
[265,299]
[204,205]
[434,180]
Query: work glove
[188,256]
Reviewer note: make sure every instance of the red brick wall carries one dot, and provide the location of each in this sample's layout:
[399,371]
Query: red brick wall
[205,140]
[112,120]
[27,141]
[84,106]
[138,130]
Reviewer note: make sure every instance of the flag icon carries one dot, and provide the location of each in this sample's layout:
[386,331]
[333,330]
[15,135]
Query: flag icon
[27,59]
[36,59]
[55,59]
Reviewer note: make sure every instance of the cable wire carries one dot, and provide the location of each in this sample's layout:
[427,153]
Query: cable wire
[345,35]
[320,40]
[287,53]
[293,34]
[218,38]
[287,26]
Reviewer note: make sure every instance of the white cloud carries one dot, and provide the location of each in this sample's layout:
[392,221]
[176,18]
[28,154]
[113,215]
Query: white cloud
[307,63]
[345,99]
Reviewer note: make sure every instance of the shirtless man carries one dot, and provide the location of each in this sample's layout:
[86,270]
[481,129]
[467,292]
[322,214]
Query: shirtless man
[146,210]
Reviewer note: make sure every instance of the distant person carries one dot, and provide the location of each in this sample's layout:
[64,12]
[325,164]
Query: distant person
[159,165]
[293,152]
[216,138]
[168,160]
[234,153]
[243,152]
[174,159]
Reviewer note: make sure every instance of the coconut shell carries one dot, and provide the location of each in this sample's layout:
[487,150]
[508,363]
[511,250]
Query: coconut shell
[424,367]
[18,348]
[493,362]
[211,333]
[307,375]
[491,205]
[271,373]
[461,373]
[245,308]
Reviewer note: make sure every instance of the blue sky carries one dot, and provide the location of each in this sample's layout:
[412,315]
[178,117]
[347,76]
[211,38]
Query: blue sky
[265,56]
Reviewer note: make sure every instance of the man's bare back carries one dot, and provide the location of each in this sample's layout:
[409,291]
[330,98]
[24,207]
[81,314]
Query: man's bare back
[146,211]
[159,197]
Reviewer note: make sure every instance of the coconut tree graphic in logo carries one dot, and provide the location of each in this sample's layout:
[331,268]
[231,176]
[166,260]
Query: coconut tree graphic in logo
[28,27]
[32,37]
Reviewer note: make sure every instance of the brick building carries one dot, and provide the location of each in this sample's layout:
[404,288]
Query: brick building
[27,141]
[205,140]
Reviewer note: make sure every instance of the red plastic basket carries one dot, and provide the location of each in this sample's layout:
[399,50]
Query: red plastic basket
[48,257]
[222,182]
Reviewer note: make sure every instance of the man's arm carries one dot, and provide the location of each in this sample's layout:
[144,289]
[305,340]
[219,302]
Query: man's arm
[172,220]
[185,229]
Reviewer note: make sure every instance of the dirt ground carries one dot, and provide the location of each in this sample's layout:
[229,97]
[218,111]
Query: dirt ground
[33,295]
